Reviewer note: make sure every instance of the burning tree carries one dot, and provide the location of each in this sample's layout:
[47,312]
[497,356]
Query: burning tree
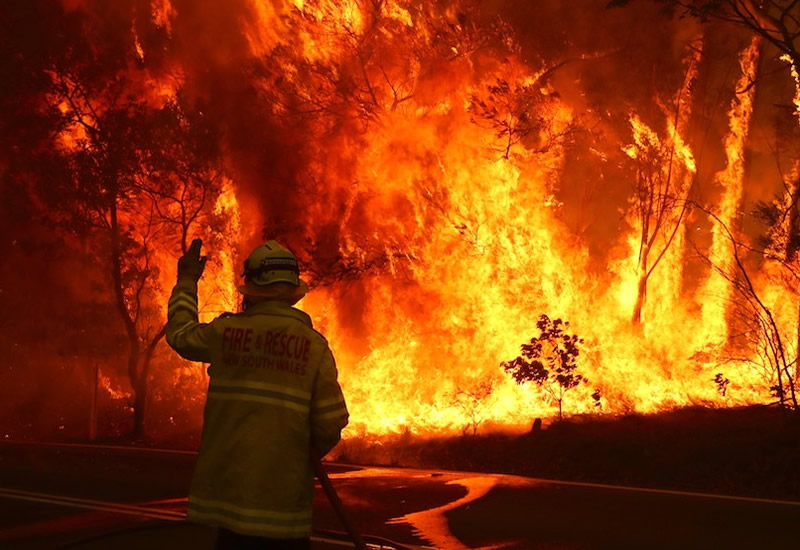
[180,178]
[662,181]
[182,174]
[471,399]
[100,197]
[549,360]
[138,176]
[763,330]
[657,202]
[776,21]
[379,62]
[521,113]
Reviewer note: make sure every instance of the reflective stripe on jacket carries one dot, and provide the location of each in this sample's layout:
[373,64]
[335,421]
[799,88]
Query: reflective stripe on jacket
[273,393]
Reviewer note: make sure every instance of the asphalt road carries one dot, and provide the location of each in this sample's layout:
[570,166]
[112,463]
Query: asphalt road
[89,497]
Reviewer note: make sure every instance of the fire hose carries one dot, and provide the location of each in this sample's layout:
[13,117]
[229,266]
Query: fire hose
[336,502]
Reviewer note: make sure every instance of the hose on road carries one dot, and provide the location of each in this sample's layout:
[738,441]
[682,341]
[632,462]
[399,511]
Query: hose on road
[336,502]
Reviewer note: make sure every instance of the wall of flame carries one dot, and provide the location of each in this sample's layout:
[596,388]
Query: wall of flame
[462,242]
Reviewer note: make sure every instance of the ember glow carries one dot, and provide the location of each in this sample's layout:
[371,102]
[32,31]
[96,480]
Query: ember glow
[446,176]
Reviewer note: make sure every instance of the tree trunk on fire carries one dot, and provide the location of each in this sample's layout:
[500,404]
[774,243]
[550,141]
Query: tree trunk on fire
[128,322]
[792,246]
[139,406]
[142,383]
[641,287]
[797,342]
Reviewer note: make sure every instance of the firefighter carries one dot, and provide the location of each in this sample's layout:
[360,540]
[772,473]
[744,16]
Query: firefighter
[273,404]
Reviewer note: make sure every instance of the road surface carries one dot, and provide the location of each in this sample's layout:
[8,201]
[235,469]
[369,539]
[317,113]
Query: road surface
[89,497]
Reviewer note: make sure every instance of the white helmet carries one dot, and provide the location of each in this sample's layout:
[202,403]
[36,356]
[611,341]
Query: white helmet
[268,264]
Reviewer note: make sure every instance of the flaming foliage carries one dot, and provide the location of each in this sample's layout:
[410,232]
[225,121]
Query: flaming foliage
[446,171]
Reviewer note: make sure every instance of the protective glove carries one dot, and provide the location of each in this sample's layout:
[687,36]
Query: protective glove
[191,264]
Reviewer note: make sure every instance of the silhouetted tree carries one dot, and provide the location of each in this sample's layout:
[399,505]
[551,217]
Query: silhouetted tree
[549,360]
[138,174]
[763,333]
[520,114]
[105,126]
[471,401]
[181,177]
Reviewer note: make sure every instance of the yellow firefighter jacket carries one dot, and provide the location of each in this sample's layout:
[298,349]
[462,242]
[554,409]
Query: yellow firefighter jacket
[273,394]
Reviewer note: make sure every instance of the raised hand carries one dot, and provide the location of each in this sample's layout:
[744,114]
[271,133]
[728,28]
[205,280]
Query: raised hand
[191,264]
